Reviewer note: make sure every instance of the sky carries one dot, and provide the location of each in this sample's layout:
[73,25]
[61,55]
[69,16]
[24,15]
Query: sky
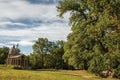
[24,21]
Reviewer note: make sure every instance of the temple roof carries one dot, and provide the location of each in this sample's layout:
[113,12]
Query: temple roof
[17,56]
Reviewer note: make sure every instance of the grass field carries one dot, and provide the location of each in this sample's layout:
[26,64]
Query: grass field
[11,74]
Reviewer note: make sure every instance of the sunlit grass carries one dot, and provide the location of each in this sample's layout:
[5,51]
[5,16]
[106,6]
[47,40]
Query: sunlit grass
[36,75]
[6,73]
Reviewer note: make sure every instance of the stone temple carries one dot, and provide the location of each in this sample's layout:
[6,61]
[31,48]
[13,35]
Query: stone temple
[16,58]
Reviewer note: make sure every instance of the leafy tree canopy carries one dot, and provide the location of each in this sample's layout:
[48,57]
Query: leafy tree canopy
[3,54]
[47,54]
[95,30]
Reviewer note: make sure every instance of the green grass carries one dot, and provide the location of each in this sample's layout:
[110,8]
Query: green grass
[11,74]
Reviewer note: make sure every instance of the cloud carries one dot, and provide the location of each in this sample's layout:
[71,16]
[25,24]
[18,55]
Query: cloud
[55,31]
[15,9]
[7,23]
[23,43]
[24,21]
[1,45]
[43,1]
[22,14]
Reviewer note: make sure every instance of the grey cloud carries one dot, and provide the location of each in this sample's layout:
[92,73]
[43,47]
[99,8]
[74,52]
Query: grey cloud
[43,1]
[28,23]
[24,22]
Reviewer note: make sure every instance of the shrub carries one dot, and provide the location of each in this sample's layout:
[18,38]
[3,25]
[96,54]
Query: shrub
[117,72]
[17,67]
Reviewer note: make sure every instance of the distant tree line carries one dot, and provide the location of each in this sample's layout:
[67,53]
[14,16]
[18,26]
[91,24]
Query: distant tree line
[3,54]
[47,54]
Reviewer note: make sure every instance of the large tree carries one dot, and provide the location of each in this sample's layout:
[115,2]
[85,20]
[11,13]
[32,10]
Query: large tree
[95,30]
[40,49]
[47,54]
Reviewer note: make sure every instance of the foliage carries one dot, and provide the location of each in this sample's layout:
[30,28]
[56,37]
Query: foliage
[117,72]
[35,60]
[95,38]
[47,54]
[17,48]
[3,54]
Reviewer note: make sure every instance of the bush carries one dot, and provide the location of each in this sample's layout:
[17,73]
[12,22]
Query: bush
[117,72]
[95,64]
[17,67]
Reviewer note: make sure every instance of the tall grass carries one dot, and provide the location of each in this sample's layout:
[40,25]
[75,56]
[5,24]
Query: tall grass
[10,74]
[6,73]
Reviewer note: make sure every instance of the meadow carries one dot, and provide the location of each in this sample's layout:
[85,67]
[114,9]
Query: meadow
[12,74]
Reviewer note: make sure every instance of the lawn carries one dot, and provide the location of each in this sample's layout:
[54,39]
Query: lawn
[11,74]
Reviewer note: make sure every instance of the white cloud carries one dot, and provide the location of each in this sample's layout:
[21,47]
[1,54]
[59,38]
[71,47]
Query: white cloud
[22,43]
[3,44]
[15,9]
[56,31]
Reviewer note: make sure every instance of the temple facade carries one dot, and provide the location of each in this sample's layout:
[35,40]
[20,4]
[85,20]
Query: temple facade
[17,59]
